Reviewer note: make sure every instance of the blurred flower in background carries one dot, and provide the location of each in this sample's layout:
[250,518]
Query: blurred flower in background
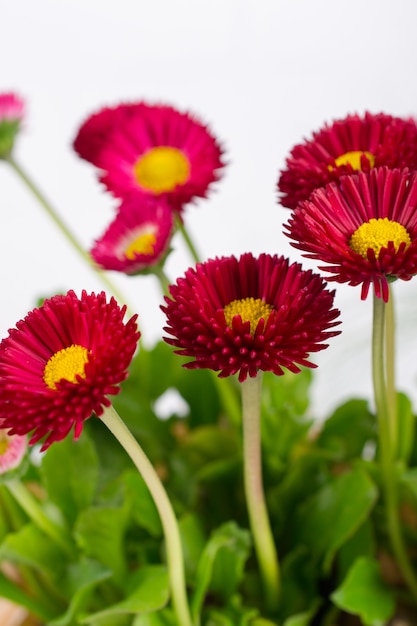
[153,150]
[11,115]
[343,147]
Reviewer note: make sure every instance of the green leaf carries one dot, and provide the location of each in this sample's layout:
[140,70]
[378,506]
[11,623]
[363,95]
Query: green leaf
[348,430]
[362,543]
[289,393]
[220,568]
[13,593]
[235,615]
[160,618]
[299,582]
[149,591]
[284,401]
[333,514]
[211,449]
[29,546]
[409,478]
[80,581]
[406,423]
[364,593]
[193,541]
[140,501]
[100,534]
[69,472]
[303,619]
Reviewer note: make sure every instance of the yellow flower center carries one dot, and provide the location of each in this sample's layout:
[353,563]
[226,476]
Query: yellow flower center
[353,159]
[249,309]
[4,442]
[162,169]
[376,234]
[65,364]
[144,244]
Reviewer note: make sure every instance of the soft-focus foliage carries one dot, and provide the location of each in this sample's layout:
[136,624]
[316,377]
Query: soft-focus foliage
[321,490]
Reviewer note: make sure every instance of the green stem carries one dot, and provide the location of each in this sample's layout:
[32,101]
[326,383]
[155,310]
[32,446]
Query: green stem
[169,522]
[390,370]
[387,459]
[163,279]
[63,228]
[35,512]
[192,249]
[258,515]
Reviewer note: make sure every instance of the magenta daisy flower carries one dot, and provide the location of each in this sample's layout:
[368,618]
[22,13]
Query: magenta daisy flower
[12,450]
[60,364]
[347,145]
[138,238]
[249,314]
[154,150]
[364,227]
[11,116]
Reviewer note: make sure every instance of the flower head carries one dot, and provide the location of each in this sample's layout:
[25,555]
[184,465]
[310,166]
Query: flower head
[12,450]
[249,314]
[11,115]
[346,146]
[364,227]
[154,150]
[138,238]
[60,363]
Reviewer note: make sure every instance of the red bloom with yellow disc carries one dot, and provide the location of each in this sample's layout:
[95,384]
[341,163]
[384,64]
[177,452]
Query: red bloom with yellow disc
[60,364]
[154,150]
[249,314]
[348,145]
[364,227]
[138,238]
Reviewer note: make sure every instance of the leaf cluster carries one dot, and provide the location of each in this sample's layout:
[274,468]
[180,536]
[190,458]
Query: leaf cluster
[322,487]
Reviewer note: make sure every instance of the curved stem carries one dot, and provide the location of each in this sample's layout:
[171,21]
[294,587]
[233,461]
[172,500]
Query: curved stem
[258,515]
[63,228]
[387,459]
[169,522]
[35,512]
[193,251]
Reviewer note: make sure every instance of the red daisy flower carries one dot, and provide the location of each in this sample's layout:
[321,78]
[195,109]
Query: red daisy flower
[364,227]
[249,314]
[348,145]
[11,115]
[138,238]
[151,149]
[60,363]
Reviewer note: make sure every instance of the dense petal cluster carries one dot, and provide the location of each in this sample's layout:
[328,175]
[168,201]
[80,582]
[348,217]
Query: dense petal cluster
[138,238]
[151,149]
[328,226]
[249,314]
[60,363]
[343,147]
[11,115]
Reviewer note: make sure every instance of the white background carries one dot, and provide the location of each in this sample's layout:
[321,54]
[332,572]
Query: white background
[262,73]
